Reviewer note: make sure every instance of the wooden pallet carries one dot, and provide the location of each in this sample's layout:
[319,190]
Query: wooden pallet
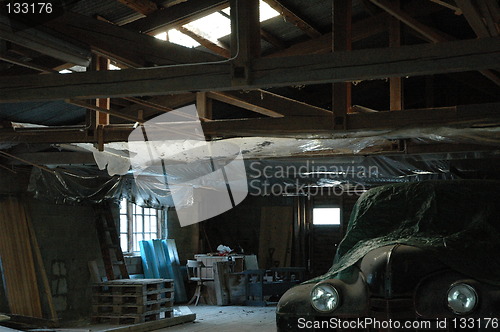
[130,319]
[134,286]
[166,304]
[131,301]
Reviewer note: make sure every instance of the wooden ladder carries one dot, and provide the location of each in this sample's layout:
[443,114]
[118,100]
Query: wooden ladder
[112,255]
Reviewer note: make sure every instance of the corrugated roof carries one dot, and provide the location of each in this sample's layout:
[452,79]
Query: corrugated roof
[54,113]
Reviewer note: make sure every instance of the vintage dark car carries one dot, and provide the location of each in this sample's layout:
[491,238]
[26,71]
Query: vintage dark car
[415,256]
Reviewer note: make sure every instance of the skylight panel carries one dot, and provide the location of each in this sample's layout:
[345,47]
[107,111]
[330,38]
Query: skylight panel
[211,27]
[266,12]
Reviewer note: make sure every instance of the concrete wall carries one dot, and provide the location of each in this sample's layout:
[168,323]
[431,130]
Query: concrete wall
[186,238]
[68,241]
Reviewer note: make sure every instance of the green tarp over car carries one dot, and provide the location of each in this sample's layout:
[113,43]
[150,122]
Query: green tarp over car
[458,222]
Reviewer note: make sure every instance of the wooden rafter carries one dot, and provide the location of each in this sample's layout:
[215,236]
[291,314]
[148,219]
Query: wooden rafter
[178,15]
[125,46]
[294,18]
[360,30]
[44,42]
[426,31]
[474,18]
[408,60]
[231,100]
[457,10]
[217,49]
[26,64]
[145,7]
[278,104]
[487,11]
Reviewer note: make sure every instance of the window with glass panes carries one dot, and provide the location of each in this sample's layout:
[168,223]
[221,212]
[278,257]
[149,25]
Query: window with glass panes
[137,224]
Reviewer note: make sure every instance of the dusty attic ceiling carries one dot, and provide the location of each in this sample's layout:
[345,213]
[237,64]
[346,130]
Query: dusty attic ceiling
[281,84]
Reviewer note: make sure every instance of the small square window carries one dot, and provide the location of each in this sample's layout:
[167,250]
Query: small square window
[326,216]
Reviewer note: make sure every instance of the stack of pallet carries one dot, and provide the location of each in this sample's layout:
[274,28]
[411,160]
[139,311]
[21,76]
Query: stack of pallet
[131,301]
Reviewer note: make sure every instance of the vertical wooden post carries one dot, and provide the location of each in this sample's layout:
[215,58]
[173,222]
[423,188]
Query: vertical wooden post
[396,83]
[245,37]
[97,120]
[342,24]
[203,105]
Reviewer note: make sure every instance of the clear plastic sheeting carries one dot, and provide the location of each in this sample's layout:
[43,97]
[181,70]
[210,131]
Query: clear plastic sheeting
[264,177]
[86,185]
[172,148]
[455,221]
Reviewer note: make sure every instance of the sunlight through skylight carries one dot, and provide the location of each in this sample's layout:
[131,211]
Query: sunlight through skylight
[212,27]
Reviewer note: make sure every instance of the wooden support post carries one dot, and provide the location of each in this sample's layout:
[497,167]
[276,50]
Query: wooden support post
[341,42]
[396,83]
[245,37]
[100,119]
[203,105]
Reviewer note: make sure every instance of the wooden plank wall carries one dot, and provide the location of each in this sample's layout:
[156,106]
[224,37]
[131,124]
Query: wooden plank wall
[275,236]
[17,260]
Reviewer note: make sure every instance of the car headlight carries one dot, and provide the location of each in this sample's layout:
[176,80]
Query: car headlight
[462,298]
[325,298]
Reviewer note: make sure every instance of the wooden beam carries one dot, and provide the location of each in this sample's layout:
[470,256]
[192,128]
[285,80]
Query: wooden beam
[217,49]
[433,35]
[362,29]
[55,158]
[342,23]
[180,14]
[428,32]
[26,64]
[487,13]
[457,10]
[473,17]
[43,42]
[145,7]
[231,100]
[204,105]
[412,60]
[166,102]
[272,39]
[102,118]
[294,18]
[395,83]
[100,109]
[245,37]
[486,115]
[460,116]
[279,104]
[128,47]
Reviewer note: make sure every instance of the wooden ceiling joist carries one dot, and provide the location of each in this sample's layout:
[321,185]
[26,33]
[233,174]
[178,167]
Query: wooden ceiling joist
[362,29]
[145,7]
[44,42]
[294,18]
[293,126]
[26,64]
[474,18]
[279,104]
[231,100]
[408,60]
[427,32]
[217,49]
[125,46]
